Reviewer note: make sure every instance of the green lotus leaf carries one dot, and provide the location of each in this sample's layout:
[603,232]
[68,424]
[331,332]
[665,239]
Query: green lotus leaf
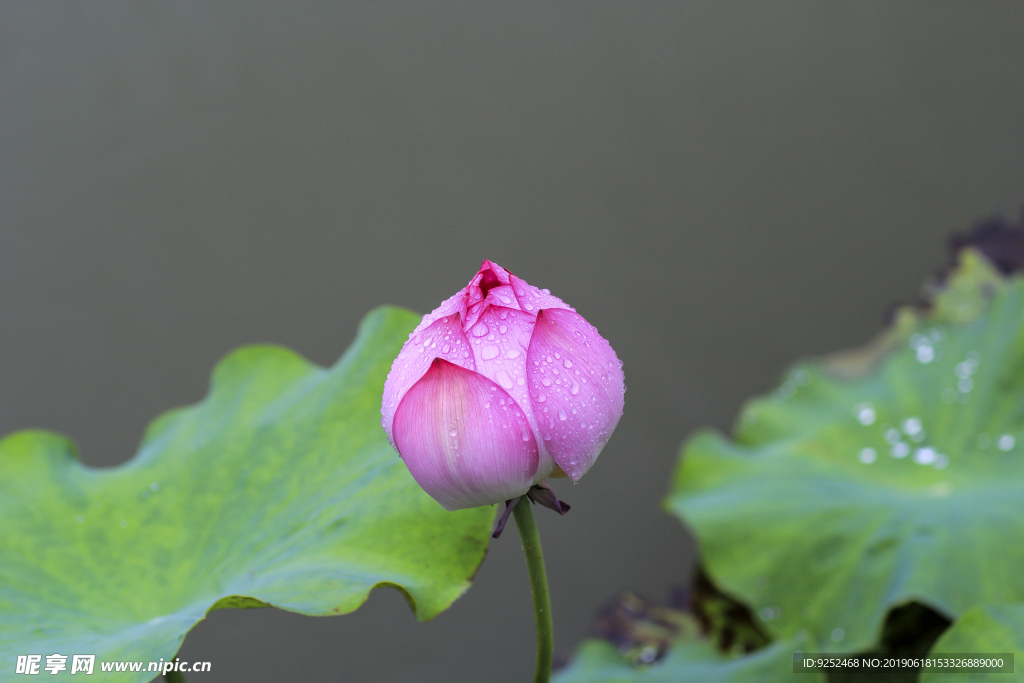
[985,629]
[875,478]
[597,661]
[278,489]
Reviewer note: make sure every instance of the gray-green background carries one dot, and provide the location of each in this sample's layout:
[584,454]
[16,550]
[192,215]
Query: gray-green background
[721,188]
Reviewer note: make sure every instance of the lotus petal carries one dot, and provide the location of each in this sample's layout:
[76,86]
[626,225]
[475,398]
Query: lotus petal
[464,439]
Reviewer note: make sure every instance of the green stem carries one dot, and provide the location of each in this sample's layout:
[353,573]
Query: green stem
[539,587]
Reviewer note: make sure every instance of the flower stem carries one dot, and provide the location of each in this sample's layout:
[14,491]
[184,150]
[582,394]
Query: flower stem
[539,587]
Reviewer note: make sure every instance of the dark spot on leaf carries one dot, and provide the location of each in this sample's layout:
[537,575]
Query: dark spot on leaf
[642,629]
[473,540]
[912,629]
[723,618]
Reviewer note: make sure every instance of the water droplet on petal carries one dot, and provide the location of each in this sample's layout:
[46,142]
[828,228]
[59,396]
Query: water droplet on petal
[562,415]
[479,330]
[489,352]
[504,379]
[512,353]
[567,363]
[541,398]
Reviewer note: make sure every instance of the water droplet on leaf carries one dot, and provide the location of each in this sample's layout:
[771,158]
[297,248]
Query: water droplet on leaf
[925,456]
[865,413]
[912,426]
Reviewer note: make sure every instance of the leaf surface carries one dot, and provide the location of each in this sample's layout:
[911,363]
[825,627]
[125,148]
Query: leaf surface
[876,478]
[597,661]
[279,489]
[984,629]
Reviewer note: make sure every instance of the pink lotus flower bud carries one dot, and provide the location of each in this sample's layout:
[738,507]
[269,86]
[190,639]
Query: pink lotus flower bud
[500,387]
